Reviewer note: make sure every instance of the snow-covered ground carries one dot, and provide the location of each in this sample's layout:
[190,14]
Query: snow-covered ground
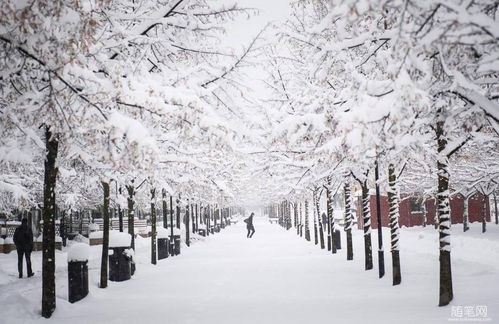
[275,277]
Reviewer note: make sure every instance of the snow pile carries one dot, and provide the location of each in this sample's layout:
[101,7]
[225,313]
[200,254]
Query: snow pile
[163,233]
[176,231]
[9,240]
[96,235]
[93,227]
[80,238]
[119,239]
[116,238]
[1,240]
[78,252]
[39,239]
[130,254]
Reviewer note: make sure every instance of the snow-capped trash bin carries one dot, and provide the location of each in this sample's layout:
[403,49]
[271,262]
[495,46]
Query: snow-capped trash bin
[175,246]
[77,272]
[120,256]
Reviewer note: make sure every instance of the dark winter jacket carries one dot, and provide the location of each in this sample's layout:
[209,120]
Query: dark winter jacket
[23,237]
[249,222]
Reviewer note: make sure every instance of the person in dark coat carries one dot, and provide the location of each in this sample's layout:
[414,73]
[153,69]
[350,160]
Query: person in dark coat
[249,225]
[23,239]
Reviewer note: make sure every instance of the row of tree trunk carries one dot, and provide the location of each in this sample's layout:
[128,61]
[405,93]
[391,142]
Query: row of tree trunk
[49,208]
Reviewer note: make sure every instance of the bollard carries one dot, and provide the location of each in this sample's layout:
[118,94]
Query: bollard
[77,272]
[163,248]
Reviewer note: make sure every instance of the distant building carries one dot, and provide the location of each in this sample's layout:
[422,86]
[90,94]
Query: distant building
[412,210]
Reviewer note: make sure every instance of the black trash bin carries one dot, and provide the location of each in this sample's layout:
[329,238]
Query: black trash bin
[337,239]
[202,232]
[77,280]
[163,248]
[175,246]
[119,264]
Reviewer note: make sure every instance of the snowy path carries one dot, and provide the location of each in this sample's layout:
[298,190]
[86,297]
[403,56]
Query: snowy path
[276,277]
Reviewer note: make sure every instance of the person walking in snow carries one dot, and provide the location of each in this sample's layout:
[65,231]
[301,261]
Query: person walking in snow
[23,239]
[249,225]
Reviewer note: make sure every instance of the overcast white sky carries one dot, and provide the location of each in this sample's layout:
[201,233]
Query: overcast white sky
[243,30]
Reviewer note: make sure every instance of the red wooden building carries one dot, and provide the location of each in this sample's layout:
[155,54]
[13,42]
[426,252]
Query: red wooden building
[411,210]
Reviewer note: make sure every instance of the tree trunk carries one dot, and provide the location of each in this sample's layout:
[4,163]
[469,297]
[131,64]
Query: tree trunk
[81,221]
[295,215]
[171,219]
[307,227]
[465,215]
[348,221]
[207,219]
[153,226]
[321,229]
[484,213]
[381,252]
[120,215]
[178,213]
[48,243]
[197,218]
[394,224]
[316,238]
[165,209]
[193,220]
[330,229]
[495,209]
[425,213]
[131,218]
[220,209]
[366,216]
[446,291]
[300,225]
[62,228]
[187,220]
[120,219]
[105,236]
[215,212]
